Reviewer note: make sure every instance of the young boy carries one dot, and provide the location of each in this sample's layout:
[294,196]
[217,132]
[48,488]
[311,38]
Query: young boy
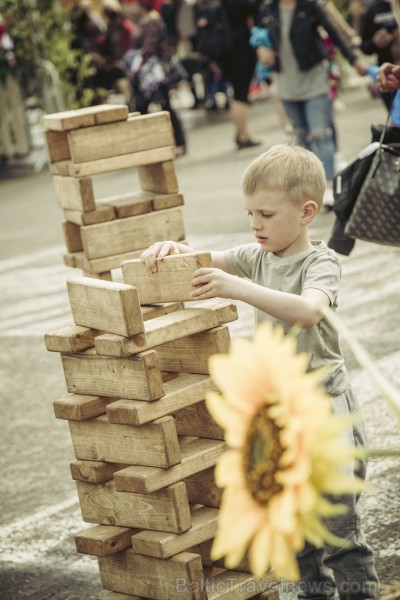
[288,279]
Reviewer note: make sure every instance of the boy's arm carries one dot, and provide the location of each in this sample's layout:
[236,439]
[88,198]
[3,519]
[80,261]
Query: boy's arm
[305,310]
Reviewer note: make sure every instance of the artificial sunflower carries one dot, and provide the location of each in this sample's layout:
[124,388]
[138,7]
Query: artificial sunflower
[286,449]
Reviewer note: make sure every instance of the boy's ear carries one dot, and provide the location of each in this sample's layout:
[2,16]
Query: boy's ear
[310,209]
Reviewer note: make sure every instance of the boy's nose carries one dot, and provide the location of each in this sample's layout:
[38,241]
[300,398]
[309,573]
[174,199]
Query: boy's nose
[255,223]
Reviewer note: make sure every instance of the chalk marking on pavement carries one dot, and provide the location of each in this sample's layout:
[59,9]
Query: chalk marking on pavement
[35,519]
[26,259]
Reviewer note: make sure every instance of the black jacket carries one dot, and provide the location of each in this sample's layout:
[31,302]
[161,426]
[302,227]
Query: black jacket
[308,46]
[378,16]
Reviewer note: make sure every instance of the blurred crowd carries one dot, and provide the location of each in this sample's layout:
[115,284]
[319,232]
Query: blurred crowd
[229,52]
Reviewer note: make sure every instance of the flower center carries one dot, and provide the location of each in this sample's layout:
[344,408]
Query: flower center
[261,455]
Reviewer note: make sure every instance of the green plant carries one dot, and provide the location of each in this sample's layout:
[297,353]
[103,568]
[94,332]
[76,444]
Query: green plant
[41,32]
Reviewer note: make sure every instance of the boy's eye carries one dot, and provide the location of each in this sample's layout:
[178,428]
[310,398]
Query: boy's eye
[266,215]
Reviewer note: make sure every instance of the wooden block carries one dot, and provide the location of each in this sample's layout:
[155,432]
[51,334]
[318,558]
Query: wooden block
[158,331]
[165,510]
[107,276]
[106,141]
[77,407]
[159,178]
[101,214]
[190,354]
[164,201]
[110,113]
[151,311]
[73,338]
[115,163]
[72,236]
[130,204]
[196,455]
[225,309]
[234,585]
[171,282]
[180,392]
[165,545]
[204,549]
[103,540]
[81,262]
[154,578]
[57,146]
[106,263]
[74,193]
[195,420]
[132,233]
[118,596]
[137,378]
[69,119]
[85,117]
[69,260]
[93,471]
[202,489]
[62,167]
[105,305]
[154,444]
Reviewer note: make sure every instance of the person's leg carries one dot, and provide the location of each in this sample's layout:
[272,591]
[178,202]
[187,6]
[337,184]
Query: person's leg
[140,101]
[294,111]
[18,121]
[353,567]
[239,106]
[318,114]
[316,580]
[6,143]
[239,116]
[180,141]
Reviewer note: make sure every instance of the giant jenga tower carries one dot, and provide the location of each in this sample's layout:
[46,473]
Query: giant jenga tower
[102,232]
[136,368]
[144,442]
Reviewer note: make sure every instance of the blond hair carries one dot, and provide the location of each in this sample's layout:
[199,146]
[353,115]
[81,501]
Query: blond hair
[288,168]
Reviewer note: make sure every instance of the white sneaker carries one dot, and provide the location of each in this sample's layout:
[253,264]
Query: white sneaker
[328,198]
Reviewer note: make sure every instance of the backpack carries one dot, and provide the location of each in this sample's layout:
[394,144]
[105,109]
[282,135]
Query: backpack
[213,33]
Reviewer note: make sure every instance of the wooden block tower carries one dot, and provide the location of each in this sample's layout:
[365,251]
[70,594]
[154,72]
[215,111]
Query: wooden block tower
[102,232]
[144,442]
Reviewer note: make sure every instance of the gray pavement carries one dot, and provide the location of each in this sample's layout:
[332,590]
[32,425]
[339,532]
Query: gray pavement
[39,509]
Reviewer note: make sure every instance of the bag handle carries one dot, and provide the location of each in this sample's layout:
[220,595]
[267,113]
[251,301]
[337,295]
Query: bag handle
[384,130]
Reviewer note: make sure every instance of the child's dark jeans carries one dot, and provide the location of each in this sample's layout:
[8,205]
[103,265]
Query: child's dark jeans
[348,572]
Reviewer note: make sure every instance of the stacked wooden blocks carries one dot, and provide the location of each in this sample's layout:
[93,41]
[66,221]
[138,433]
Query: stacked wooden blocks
[144,442]
[101,233]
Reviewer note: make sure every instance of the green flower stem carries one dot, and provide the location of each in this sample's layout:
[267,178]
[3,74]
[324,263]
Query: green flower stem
[382,452]
[389,389]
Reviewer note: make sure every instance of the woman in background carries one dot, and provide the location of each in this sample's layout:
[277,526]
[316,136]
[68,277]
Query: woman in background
[147,66]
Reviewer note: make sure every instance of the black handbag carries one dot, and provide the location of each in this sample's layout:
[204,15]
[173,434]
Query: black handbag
[375,216]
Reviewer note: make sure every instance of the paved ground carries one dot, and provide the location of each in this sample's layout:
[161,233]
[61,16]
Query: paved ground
[40,513]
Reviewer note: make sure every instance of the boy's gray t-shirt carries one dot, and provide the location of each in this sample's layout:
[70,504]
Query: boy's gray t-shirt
[318,268]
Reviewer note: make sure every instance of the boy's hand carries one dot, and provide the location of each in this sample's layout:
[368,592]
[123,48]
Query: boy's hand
[213,283]
[157,252]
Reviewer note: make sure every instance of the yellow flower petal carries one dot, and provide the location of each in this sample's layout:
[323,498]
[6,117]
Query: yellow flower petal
[233,536]
[228,417]
[288,451]
[228,470]
[283,561]
[260,551]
